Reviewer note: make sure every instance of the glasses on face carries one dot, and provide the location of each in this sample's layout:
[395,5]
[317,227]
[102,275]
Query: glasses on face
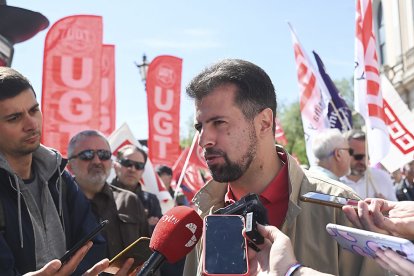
[350,151]
[88,155]
[129,163]
[359,157]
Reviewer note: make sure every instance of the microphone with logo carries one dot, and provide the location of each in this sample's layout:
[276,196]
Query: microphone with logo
[174,236]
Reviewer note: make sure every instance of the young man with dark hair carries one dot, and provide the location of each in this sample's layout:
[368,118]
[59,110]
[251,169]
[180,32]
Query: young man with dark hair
[235,109]
[44,212]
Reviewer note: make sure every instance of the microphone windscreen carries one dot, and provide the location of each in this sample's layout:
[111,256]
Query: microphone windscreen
[176,233]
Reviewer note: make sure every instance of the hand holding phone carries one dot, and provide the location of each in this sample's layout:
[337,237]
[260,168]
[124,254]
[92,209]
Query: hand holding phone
[138,250]
[83,241]
[328,200]
[224,246]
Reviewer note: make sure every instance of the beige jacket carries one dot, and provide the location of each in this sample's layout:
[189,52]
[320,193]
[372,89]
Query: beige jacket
[304,224]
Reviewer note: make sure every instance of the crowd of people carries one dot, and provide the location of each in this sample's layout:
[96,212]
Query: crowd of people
[48,203]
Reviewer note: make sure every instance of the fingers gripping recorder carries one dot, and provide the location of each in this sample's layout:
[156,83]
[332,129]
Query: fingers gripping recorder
[253,211]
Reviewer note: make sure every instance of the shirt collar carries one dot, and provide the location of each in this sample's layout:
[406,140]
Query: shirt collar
[271,193]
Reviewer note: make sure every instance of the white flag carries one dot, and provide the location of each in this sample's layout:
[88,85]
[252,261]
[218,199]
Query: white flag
[367,89]
[314,97]
[400,122]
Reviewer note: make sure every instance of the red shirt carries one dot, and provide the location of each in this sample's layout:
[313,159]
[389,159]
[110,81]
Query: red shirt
[275,197]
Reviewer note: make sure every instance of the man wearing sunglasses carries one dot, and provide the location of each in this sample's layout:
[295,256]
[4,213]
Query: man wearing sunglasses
[332,153]
[129,168]
[90,162]
[42,211]
[366,181]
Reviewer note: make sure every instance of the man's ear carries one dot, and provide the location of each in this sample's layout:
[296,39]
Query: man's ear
[337,154]
[265,121]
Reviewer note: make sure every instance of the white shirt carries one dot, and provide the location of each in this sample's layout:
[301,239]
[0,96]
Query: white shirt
[322,170]
[379,178]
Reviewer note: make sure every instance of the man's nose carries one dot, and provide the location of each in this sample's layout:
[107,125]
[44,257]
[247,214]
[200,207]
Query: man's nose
[206,139]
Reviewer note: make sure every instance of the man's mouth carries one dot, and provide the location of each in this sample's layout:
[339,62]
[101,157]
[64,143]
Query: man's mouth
[212,158]
[32,138]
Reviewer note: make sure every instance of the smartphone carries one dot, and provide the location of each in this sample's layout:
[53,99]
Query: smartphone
[224,246]
[365,243]
[139,250]
[83,241]
[328,200]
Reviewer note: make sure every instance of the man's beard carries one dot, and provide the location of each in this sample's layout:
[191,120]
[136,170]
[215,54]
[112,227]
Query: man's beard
[231,171]
[97,178]
[358,171]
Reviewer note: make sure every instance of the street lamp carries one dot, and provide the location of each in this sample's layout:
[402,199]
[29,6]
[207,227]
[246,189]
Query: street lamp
[17,25]
[143,68]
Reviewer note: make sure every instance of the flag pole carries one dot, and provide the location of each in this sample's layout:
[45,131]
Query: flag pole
[348,125]
[187,159]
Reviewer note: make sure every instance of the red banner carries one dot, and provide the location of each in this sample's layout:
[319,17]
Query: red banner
[108,110]
[163,95]
[196,171]
[71,79]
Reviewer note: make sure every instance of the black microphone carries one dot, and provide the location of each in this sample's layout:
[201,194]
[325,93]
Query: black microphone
[174,236]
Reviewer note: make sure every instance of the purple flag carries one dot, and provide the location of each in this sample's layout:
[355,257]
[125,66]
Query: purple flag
[344,122]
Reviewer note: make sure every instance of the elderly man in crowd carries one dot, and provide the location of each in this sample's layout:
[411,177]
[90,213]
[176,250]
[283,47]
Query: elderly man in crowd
[90,162]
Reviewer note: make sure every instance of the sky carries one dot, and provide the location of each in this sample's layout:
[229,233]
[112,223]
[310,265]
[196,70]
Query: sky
[201,33]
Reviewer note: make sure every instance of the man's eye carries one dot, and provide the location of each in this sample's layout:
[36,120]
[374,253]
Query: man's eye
[12,118]
[35,109]
[219,122]
[197,127]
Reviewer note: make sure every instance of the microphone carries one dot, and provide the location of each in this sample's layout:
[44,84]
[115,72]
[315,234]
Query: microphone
[175,235]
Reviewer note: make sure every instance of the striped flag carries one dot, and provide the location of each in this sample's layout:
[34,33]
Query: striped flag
[339,114]
[314,97]
[368,97]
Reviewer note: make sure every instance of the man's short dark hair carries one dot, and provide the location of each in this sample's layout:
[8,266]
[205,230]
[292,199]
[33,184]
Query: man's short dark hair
[255,89]
[12,83]
[164,169]
[122,151]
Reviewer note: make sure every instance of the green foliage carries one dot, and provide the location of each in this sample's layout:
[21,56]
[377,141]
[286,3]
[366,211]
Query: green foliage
[188,137]
[346,90]
[291,122]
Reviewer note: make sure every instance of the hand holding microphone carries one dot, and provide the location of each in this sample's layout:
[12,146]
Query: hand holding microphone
[175,235]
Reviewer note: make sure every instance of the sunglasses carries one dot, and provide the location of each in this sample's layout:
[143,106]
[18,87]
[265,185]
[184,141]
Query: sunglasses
[359,157]
[88,155]
[129,163]
[350,151]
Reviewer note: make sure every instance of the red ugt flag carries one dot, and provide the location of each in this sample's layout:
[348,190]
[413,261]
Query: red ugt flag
[163,96]
[108,108]
[71,79]
[368,97]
